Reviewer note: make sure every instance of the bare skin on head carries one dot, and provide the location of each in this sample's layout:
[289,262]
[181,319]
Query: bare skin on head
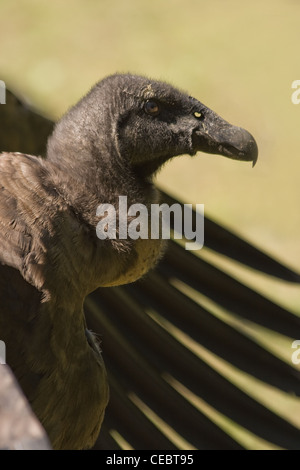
[110,144]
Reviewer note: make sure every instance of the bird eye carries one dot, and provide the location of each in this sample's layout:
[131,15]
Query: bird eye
[151,108]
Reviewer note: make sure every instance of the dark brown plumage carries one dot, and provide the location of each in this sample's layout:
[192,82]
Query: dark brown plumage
[109,144]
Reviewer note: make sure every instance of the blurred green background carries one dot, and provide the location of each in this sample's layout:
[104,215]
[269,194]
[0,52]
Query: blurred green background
[238,58]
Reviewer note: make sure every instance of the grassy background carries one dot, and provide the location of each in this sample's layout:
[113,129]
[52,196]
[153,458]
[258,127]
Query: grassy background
[238,58]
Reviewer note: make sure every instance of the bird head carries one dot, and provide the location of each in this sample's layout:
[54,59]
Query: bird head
[146,122]
[159,122]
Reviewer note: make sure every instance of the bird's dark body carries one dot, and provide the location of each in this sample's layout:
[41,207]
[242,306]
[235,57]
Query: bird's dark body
[109,144]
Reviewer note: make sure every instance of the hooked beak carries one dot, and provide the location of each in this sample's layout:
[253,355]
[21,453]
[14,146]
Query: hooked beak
[215,135]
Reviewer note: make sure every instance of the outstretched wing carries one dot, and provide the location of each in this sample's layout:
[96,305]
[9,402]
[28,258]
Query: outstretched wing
[189,354]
